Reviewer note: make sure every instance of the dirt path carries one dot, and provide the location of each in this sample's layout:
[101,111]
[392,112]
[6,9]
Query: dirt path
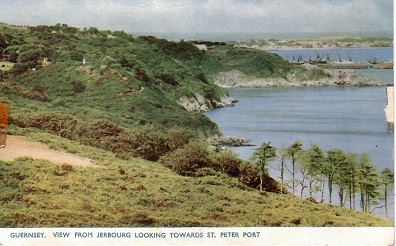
[18,146]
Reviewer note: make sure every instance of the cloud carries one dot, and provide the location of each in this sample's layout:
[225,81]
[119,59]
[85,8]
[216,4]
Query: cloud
[266,16]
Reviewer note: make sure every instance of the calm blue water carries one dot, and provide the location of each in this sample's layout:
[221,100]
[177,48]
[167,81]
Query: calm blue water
[356,54]
[352,119]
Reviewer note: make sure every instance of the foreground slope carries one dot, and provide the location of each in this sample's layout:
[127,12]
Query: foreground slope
[135,192]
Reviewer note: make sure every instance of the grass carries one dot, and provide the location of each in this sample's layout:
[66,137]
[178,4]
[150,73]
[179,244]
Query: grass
[134,192]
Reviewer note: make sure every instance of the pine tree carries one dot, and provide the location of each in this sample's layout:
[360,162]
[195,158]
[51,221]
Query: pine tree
[282,166]
[314,160]
[368,182]
[262,156]
[337,172]
[293,152]
[352,174]
[387,179]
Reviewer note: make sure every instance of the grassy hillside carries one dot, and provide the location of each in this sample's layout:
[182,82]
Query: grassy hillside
[114,98]
[118,67]
[135,192]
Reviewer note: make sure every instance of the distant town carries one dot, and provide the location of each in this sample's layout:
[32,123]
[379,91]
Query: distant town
[273,44]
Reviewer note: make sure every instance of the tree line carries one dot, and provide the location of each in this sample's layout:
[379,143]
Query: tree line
[352,177]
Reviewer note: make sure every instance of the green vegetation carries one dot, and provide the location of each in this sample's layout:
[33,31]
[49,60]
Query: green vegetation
[251,62]
[255,64]
[114,98]
[135,192]
[118,66]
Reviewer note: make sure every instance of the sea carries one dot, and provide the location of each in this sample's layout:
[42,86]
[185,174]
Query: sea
[349,118]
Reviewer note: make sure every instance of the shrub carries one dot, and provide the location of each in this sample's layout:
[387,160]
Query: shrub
[177,139]
[140,74]
[35,95]
[188,159]
[149,145]
[228,162]
[250,176]
[78,87]
[100,128]
[167,78]
[64,125]
[67,167]
[143,219]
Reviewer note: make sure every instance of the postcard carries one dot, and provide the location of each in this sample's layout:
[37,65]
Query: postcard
[196,122]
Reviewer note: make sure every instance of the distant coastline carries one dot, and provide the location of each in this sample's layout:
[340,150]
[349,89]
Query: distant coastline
[336,77]
[318,43]
[243,36]
[322,48]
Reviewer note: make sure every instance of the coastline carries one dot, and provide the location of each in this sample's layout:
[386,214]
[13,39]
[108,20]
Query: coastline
[335,77]
[237,79]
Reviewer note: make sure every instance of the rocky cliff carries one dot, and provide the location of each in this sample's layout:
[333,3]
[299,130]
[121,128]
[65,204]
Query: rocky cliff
[199,103]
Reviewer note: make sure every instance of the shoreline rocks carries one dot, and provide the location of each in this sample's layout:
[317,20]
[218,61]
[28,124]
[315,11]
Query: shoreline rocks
[232,141]
[235,78]
[199,103]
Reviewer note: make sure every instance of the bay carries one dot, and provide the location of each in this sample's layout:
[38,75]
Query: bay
[349,118]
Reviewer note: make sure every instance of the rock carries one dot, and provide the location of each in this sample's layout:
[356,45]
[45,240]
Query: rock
[225,101]
[193,104]
[199,103]
[231,79]
[87,69]
[229,141]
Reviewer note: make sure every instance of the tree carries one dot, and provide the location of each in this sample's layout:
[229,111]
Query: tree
[387,179]
[368,182]
[351,175]
[282,154]
[336,172]
[293,152]
[314,160]
[262,156]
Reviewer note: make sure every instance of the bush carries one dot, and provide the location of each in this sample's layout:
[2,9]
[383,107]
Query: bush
[78,87]
[100,128]
[149,145]
[228,162]
[177,139]
[167,78]
[141,75]
[188,159]
[250,176]
[64,125]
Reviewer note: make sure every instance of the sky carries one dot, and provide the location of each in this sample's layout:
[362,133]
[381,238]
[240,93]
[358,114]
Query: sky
[355,17]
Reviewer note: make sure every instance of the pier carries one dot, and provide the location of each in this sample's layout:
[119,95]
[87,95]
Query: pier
[389,110]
